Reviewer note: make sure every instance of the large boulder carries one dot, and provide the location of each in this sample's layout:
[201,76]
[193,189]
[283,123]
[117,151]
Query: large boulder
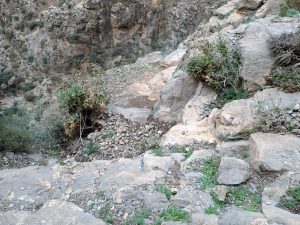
[257,57]
[233,171]
[239,217]
[27,186]
[249,4]
[174,96]
[243,116]
[183,135]
[274,152]
[57,212]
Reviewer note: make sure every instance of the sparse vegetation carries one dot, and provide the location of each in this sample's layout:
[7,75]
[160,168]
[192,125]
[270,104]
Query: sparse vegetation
[158,151]
[243,196]
[286,79]
[175,213]
[239,196]
[165,190]
[209,169]
[73,37]
[138,218]
[15,135]
[106,214]
[291,201]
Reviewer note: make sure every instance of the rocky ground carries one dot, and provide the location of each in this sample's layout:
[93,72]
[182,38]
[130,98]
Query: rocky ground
[167,152]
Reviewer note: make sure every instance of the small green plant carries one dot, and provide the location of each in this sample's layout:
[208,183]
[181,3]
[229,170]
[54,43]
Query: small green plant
[175,213]
[187,152]
[291,201]
[108,134]
[90,147]
[290,8]
[242,196]
[209,169]
[106,214]
[230,94]
[218,205]
[73,37]
[165,190]
[158,152]
[218,66]
[101,193]
[138,218]
[286,79]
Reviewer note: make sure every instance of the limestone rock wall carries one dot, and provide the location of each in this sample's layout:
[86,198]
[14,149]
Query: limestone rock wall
[62,34]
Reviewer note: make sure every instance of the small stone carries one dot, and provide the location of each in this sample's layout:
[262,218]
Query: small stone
[118,201]
[221,192]
[12,81]
[297,107]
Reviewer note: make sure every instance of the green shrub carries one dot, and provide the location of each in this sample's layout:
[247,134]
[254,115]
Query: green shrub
[78,105]
[231,94]
[175,213]
[286,79]
[218,66]
[15,135]
[165,190]
[291,201]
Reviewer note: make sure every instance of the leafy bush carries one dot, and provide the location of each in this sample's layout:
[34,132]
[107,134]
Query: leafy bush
[15,135]
[286,79]
[138,218]
[78,104]
[218,66]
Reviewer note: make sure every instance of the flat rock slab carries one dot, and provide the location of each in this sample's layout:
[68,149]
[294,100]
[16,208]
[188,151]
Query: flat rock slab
[28,187]
[274,152]
[233,171]
[239,217]
[135,172]
[56,212]
[240,116]
[280,216]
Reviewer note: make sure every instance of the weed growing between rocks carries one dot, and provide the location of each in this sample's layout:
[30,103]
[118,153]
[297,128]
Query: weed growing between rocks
[240,196]
[291,201]
[138,218]
[286,74]
[286,79]
[175,213]
[209,169]
[165,190]
[218,67]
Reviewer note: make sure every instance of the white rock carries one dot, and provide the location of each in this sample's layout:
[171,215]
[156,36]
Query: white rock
[274,152]
[233,171]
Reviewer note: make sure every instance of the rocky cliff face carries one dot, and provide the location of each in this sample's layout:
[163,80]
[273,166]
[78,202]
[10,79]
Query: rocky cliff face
[63,34]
